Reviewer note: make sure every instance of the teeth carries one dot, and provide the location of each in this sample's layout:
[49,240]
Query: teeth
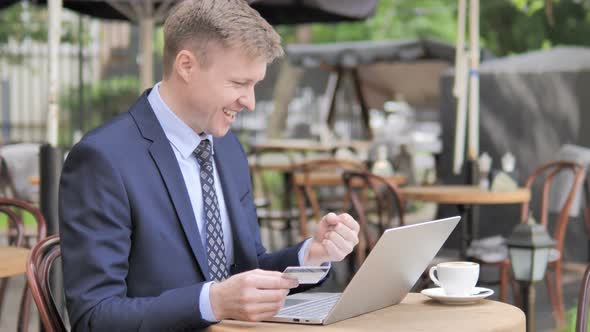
[229,113]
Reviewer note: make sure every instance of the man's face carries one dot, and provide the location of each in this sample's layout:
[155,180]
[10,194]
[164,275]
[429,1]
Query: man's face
[221,89]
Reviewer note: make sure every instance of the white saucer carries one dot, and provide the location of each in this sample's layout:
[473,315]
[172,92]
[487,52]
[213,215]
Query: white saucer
[439,295]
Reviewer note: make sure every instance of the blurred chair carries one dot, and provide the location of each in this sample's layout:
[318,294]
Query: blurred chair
[377,204]
[20,207]
[583,303]
[14,224]
[38,271]
[553,275]
[6,183]
[270,167]
[543,178]
[22,162]
[319,183]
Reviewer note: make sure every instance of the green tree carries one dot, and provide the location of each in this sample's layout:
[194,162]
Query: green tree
[23,21]
[514,26]
[393,19]
[506,26]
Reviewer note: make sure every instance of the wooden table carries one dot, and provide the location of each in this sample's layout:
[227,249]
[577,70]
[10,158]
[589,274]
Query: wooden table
[34,180]
[465,197]
[332,179]
[416,313]
[13,261]
[449,194]
[303,145]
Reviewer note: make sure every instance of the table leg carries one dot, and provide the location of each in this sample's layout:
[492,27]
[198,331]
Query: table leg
[586,209]
[288,206]
[474,224]
[465,229]
[469,227]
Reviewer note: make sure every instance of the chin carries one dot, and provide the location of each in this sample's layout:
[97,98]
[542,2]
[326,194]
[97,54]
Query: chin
[219,132]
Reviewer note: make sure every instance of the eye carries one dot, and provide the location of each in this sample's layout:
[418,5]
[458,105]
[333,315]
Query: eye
[239,83]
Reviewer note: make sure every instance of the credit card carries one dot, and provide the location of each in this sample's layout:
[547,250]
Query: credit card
[306,274]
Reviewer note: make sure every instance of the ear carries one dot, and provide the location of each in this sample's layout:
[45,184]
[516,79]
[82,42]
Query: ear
[184,64]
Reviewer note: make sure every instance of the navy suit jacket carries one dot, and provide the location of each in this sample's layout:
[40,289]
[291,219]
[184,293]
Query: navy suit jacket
[131,252]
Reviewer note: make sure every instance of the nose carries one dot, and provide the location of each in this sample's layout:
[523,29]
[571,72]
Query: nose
[248,100]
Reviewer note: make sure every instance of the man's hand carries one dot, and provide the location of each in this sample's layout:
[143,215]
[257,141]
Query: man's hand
[250,296]
[334,239]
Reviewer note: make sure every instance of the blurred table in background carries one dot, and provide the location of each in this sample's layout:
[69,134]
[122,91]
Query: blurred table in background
[13,261]
[465,197]
[331,179]
[34,180]
[305,146]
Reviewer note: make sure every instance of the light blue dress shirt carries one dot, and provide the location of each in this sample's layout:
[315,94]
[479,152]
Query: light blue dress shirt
[184,141]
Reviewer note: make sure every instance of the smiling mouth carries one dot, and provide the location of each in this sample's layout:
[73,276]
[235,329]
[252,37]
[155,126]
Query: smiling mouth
[230,114]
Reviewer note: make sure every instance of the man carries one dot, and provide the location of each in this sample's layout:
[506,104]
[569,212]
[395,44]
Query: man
[157,221]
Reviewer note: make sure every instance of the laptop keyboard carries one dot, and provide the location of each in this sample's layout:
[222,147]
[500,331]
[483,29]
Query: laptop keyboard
[311,309]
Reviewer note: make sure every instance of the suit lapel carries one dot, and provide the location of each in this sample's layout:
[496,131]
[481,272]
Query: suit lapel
[244,249]
[165,160]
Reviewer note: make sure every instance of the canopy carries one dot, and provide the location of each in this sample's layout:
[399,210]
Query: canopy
[351,54]
[274,11]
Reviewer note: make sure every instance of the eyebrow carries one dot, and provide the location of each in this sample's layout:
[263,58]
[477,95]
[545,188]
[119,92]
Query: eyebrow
[246,81]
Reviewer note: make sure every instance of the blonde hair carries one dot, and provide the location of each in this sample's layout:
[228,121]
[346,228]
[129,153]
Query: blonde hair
[193,24]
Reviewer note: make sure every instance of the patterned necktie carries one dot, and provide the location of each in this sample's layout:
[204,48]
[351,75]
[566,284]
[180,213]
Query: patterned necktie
[214,233]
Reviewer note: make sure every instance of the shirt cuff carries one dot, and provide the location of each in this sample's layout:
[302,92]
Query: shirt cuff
[205,304]
[301,254]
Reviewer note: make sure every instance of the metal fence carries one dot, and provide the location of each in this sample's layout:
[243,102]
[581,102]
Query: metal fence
[24,79]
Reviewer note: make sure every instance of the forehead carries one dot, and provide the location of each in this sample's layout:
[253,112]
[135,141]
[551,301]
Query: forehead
[233,62]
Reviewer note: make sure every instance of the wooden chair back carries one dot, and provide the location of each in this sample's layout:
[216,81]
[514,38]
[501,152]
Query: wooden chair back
[583,303]
[21,206]
[38,278]
[376,203]
[309,176]
[15,235]
[545,176]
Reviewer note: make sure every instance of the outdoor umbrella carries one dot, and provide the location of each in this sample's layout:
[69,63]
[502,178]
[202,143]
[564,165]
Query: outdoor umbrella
[7,3]
[148,13]
[274,11]
[313,11]
[145,13]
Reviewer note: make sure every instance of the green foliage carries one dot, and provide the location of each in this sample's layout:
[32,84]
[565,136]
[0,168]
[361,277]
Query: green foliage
[102,100]
[521,25]
[23,21]
[19,22]
[395,19]
[506,26]
[28,219]
[570,321]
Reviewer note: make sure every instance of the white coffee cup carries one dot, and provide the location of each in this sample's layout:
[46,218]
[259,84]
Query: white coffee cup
[455,278]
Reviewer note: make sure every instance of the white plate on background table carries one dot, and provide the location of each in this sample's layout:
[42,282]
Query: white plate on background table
[438,294]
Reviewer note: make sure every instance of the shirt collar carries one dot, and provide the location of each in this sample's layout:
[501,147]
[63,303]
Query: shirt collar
[180,135]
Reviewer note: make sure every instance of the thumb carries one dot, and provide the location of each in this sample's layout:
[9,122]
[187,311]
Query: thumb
[331,219]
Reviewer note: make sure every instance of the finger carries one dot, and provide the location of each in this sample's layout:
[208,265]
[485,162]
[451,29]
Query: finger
[263,315]
[269,295]
[331,219]
[347,233]
[272,280]
[333,251]
[349,221]
[340,242]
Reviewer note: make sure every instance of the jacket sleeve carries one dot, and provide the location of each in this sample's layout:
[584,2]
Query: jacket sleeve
[275,261]
[96,234]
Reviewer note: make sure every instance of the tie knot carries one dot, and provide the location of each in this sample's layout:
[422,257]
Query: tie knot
[203,152]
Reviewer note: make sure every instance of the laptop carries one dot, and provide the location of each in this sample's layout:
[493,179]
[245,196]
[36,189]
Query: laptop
[385,278]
